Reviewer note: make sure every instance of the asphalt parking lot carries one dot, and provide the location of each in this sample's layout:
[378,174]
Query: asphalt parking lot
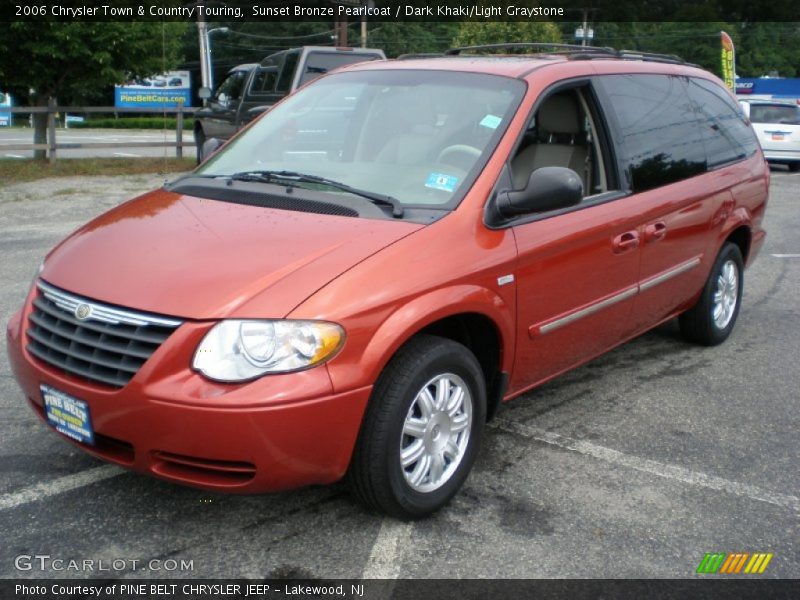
[634,465]
[24,135]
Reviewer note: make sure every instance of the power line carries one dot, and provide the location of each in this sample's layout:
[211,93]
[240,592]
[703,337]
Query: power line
[282,37]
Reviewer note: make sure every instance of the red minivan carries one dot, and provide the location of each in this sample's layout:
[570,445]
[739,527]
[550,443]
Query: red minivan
[352,284]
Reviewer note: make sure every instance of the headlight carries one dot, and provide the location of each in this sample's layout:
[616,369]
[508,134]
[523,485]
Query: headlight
[238,350]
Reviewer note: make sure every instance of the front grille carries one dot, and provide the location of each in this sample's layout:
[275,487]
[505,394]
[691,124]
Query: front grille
[107,346]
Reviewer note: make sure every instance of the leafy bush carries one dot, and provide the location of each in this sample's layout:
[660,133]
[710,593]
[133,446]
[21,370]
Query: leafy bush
[133,123]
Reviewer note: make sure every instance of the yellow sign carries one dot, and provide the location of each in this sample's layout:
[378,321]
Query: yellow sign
[728,61]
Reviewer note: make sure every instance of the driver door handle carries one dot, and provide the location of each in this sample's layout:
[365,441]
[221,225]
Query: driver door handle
[625,242]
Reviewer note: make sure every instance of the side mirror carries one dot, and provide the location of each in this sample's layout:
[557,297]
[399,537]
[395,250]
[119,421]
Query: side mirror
[548,188]
[209,147]
[204,93]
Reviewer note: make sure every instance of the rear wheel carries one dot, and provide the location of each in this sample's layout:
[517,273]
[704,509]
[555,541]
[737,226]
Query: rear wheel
[711,320]
[794,167]
[422,429]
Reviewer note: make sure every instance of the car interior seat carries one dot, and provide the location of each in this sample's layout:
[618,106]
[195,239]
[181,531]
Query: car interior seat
[559,140]
[405,144]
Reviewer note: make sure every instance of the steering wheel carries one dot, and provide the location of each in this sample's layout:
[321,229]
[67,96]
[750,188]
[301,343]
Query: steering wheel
[459,155]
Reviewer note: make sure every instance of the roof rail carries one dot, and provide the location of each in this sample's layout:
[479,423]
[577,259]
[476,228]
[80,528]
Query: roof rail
[532,45]
[652,56]
[575,51]
[412,55]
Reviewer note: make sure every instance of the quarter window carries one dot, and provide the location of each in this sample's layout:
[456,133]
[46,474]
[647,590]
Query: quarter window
[726,134]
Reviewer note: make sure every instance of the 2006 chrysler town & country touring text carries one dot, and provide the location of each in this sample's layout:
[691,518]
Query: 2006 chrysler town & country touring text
[352,284]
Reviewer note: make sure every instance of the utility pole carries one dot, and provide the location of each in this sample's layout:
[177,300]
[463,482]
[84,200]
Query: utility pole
[340,27]
[585,27]
[202,34]
[584,32]
[364,31]
[366,4]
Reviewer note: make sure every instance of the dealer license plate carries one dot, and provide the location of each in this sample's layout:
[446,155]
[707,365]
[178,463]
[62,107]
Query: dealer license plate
[68,415]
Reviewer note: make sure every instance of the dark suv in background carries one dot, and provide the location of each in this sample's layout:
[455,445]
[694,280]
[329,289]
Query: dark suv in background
[250,89]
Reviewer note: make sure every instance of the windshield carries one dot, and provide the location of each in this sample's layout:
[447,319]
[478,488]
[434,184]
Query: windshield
[785,114]
[418,136]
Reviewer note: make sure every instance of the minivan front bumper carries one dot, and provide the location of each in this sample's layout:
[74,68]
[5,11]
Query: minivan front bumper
[275,433]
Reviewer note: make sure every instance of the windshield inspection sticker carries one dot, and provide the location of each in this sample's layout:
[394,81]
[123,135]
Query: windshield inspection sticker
[491,121]
[440,181]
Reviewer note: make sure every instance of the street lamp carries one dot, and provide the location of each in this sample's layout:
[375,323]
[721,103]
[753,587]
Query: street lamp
[208,50]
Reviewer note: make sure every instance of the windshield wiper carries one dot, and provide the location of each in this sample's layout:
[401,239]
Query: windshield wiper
[274,176]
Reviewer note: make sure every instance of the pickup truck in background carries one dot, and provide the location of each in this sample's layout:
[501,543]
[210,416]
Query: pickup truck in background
[250,89]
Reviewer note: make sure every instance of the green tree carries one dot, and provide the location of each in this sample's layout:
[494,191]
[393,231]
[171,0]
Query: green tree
[73,61]
[762,48]
[411,38]
[471,33]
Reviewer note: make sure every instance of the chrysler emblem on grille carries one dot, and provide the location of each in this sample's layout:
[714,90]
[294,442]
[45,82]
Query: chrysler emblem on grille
[83,311]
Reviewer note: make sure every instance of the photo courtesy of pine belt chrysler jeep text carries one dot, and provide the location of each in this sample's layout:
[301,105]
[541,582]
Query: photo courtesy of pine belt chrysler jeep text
[351,285]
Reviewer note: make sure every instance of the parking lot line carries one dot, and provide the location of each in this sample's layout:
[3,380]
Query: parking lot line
[58,486]
[786,255]
[384,559]
[650,466]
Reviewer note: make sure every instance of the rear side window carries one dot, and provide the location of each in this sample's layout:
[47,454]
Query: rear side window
[319,63]
[287,72]
[726,134]
[657,129]
[264,80]
[783,114]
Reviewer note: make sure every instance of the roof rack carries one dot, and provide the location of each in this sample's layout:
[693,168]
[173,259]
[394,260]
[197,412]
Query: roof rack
[532,45]
[412,55]
[575,52]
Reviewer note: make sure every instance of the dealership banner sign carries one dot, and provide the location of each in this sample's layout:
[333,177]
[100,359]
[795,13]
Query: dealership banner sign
[167,90]
[728,61]
[5,115]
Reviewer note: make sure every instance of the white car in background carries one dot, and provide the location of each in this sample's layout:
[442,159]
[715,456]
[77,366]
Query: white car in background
[777,125]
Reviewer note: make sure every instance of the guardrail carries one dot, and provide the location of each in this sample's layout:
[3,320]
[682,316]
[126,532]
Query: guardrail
[52,146]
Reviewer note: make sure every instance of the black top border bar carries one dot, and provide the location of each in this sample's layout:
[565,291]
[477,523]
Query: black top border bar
[398,10]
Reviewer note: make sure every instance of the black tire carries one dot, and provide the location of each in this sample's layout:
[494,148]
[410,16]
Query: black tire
[376,477]
[199,140]
[794,167]
[698,324]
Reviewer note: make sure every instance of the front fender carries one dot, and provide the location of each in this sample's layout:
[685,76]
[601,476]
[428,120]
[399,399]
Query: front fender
[367,353]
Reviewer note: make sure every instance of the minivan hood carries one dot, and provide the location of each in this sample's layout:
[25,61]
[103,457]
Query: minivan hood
[188,257]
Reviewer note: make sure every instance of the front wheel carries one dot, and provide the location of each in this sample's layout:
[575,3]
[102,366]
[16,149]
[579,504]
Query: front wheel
[422,429]
[711,320]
